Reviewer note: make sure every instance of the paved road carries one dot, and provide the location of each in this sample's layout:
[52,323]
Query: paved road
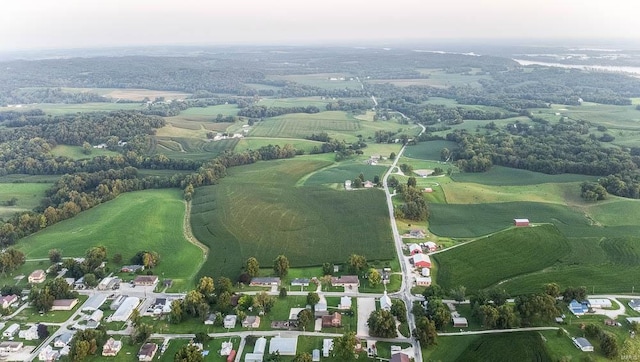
[405,290]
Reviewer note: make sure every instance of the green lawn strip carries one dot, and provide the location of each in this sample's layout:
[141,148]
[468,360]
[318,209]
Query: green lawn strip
[135,221]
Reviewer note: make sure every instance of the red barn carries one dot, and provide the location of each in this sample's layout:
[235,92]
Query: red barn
[421,261]
[521,222]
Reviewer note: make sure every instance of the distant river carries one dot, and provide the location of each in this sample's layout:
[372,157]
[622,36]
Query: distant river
[603,68]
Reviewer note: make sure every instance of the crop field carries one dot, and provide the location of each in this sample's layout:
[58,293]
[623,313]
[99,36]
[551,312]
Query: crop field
[56,109]
[507,347]
[429,150]
[130,93]
[210,111]
[505,176]
[300,125]
[307,224]
[616,211]
[441,79]
[27,195]
[464,221]
[322,80]
[253,143]
[471,193]
[487,261]
[135,221]
[75,152]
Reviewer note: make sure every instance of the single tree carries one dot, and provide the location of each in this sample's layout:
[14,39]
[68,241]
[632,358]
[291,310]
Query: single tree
[281,266]
[344,346]
[55,256]
[356,263]
[425,331]
[327,269]
[313,298]
[252,267]
[304,317]
[374,277]
[303,357]
[382,324]
[205,286]
[283,292]
[188,353]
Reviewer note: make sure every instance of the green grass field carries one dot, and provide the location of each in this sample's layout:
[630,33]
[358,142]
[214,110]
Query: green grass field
[505,176]
[253,143]
[294,102]
[75,152]
[144,220]
[506,347]
[342,171]
[429,150]
[299,125]
[487,261]
[59,109]
[192,148]
[307,224]
[28,196]
[472,193]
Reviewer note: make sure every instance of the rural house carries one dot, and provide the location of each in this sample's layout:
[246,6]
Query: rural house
[48,354]
[147,352]
[578,308]
[37,276]
[11,331]
[230,321]
[111,348]
[300,282]
[9,347]
[345,303]
[417,233]
[265,281]
[251,321]
[332,320]
[346,281]
[63,340]
[399,357]
[421,261]
[64,304]
[327,346]
[423,281]
[145,280]
[431,246]
[7,300]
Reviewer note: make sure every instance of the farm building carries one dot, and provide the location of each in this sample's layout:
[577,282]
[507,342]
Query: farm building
[332,320]
[460,322]
[232,356]
[582,344]
[37,276]
[423,281]
[400,357]
[578,308]
[8,347]
[284,346]
[431,246]
[108,283]
[347,185]
[385,301]
[599,303]
[421,261]
[94,302]
[145,280]
[147,352]
[11,331]
[265,281]
[521,222]
[415,249]
[117,302]
[111,348]
[64,304]
[346,281]
[125,309]
[428,190]
[634,304]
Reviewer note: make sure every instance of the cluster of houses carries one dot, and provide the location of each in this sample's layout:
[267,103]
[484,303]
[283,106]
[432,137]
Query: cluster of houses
[419,257]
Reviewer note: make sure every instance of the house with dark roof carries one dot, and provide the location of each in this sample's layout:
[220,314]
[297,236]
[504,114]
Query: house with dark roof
[147,352]
[265,281]
[332,320]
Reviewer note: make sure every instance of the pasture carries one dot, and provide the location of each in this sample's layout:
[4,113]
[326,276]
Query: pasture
[135,221]
[253,143]
[75,152]
[27,197]
[429,150]
[342,171]
[307,224]
[527,346]
[191,148]
[56,109]
[505,176]
[472,193]
[319,102]
[487,261]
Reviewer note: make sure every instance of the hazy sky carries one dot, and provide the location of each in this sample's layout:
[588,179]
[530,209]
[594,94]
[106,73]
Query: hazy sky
[26,24]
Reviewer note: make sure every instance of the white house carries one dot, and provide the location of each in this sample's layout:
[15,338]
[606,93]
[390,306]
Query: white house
[230,321]
[327,346]
[11,331]
[29,334]
[48,354]
[345,303]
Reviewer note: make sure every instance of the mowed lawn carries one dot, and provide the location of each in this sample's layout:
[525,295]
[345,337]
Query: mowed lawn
[429,150]
[258,211]
[27,195]
[135,221]
[487,261]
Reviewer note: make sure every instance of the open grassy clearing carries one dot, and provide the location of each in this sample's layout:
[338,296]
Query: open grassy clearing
[191,148]
[616,211]
[505,176]
[322,80]
[253,143]
[487,261]
[75,152]
[319,102]
[429,150]
[210,111]
[307,224]
[463,221]
[340,172]
[28,196]
[56,109]
[130,93]
[441,79]
[143,220]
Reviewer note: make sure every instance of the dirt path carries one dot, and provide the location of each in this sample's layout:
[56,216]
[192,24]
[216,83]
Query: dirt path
[188,233]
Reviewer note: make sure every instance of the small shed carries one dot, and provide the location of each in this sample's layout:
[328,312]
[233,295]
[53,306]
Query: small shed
[583,344]
[460,322]
[521,222]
